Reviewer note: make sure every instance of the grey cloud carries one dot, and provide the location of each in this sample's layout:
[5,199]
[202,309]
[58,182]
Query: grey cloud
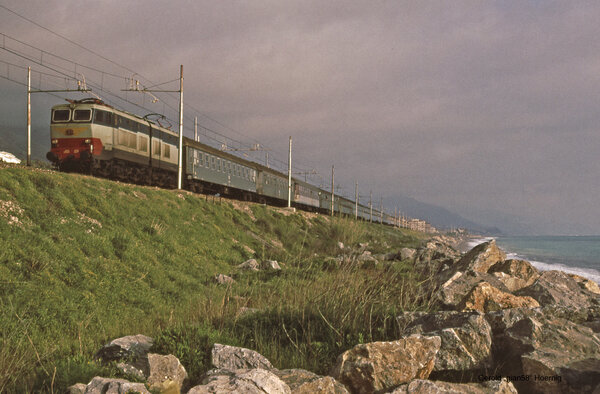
[475,106]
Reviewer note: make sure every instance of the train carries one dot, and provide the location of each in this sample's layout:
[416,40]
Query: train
[90,136]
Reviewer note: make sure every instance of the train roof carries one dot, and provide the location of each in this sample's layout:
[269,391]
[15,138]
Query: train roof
[97,103]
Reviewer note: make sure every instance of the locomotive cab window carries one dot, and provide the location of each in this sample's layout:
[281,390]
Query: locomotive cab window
[61,115]
[82,115]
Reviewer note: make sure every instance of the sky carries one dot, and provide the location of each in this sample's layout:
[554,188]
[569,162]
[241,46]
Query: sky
[486,108]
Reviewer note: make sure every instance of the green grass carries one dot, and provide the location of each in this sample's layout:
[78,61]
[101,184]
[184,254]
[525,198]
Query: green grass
[85,260]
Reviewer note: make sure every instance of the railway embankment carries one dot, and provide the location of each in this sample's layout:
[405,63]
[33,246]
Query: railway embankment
[208,295]
[86,260]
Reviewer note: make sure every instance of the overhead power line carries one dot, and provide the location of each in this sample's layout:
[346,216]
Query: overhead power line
[98,87]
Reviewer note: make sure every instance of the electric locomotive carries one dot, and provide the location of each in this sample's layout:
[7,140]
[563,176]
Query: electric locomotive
[90,136]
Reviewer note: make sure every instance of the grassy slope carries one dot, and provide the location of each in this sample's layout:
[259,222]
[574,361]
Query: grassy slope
[85,260]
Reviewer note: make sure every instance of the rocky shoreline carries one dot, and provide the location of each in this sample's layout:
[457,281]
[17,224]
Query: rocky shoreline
[501,326]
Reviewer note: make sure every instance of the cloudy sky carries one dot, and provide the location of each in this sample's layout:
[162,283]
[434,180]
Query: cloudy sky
[487,108]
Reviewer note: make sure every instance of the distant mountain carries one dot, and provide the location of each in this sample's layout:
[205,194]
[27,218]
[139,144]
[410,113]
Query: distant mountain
[439,217]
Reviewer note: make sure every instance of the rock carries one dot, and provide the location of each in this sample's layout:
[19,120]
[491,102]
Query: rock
[250,265]
[524,273]
[271,265]
[407,253]
[586,284]
[453,292]
[166,374]
[241,381]
[232,357]
[556,287]
[100,385]
[78,388]
[542,345]
[486,298]
[366,257]
[419,386]
[224,279]
[130,347]
[383,365]
[386,256]
[430,259]
[302,381]
[481,258]
[512,283]
[340,246]
[466,338]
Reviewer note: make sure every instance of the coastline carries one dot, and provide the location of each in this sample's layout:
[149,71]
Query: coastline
[467,243]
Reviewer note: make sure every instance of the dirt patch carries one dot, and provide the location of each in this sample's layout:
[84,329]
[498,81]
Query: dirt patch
[244,207]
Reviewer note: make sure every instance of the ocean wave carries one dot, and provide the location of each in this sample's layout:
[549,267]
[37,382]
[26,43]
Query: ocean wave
[478,241]
[588,273]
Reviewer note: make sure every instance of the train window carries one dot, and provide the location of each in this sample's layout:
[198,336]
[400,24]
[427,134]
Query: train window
[143,144]
[123,138]
[61,115]
[132,141]
[212,162]
[167,151]
[99,116]
[206,160]
[156,148]
[82,115]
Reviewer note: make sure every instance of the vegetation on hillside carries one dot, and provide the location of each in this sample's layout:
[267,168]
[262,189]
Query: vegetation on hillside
[86,260]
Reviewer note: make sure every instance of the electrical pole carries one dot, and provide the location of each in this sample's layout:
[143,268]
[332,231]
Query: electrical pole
[289,202]
[371,205]
[332,190]
[196,128]
[180,160]
[381,211]
[356,201]
[28,116]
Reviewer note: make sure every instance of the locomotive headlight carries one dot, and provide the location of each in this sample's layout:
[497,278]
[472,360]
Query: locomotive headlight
[87,141]
[54,142]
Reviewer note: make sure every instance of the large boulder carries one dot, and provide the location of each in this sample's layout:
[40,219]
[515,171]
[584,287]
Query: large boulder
[419,386]
[557,287]
[481,258]
[232,358]
[466,338]
[515,274]
[302,381]
[165,373]
[586,284]
[452,293]
[435,255]
[99,385]
[486,298]
[129,347]
[565,355]
[379,366]
[259,381]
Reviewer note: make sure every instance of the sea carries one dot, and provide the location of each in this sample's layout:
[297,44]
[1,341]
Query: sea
[578,255]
